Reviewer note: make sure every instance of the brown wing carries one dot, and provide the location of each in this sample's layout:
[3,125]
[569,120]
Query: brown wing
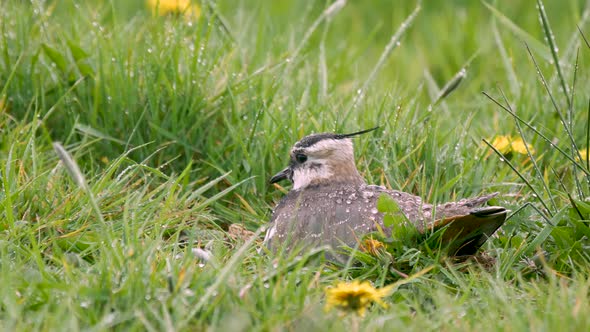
[336,215]
[329,215]
[462,207]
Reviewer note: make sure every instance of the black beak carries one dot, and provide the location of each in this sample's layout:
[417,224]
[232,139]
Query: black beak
[285,174]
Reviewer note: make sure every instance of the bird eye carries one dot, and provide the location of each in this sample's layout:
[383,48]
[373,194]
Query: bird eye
[301,158]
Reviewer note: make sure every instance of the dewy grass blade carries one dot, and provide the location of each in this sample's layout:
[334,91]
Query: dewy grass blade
[583,37]
[552,47]
[323,68]
[215,197]
[11,75]
[573,94]
[74,171]
[530,155]
[87,130]
[455,81]
[393,44]
[334,8]
[574,40]
[5,176]
[588,113]
[452,84]
[222,21]
[571,125]
[199,191]
[557,110]
[508,67]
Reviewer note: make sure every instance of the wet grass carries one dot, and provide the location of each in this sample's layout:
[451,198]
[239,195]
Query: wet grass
[127,141]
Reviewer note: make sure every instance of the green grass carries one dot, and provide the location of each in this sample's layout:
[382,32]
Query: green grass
[176,126]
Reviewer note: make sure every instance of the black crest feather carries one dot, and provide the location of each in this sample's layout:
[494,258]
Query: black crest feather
[310,140]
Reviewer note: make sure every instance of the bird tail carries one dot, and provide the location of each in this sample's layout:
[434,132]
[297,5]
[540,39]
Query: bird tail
[465,234]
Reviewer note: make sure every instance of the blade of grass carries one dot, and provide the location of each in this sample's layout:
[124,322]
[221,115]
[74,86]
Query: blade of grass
[524,206]
[11,75]
[583,36]
[574,39]
[549,36]
[588,112]
[392,45]
[222,21]
[512,78]
[174,137]
[571,125]
[574,80]
[410,278]
[557,110]
[6,176]
[454,82]
[96,133]
[207,186]
[329,12]
[222,193]
[323,68]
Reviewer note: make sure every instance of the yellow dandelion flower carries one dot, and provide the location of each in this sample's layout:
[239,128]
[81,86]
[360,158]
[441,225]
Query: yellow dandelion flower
[355,296]
[508,144]
[518,146]
[166,7]
[583,154]
[502,144]
[372,246]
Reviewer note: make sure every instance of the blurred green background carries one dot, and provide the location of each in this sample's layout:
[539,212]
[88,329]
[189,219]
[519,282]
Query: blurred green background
[178,122]
[233,89]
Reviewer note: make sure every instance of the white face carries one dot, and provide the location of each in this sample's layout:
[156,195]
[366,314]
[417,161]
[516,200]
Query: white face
[323,159]
[303,176]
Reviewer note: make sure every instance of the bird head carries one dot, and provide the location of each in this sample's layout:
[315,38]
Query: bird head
[320,159]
